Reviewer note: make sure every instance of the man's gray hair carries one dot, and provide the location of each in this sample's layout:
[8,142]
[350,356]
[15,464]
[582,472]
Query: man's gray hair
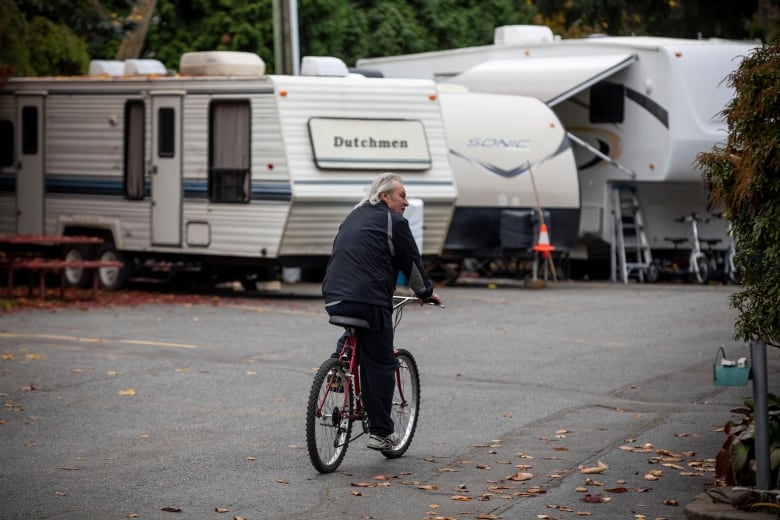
[381,184]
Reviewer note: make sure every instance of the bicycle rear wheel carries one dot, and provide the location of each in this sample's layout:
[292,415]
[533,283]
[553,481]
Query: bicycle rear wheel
[328,425]
[406,403]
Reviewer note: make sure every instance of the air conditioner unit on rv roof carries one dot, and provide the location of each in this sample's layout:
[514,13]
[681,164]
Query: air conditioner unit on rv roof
[323,66]
[221,63]
[144,67]
[509,34]
[107,67]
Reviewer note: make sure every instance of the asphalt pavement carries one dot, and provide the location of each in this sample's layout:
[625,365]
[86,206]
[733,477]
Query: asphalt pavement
[578,399]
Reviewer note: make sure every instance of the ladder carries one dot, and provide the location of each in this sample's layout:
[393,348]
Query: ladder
[630,249]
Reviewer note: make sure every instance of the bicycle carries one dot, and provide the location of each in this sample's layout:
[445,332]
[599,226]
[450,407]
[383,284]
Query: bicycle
[698,263]
[335,401]
[732,271]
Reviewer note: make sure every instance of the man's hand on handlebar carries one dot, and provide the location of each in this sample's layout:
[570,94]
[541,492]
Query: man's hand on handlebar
[433,299]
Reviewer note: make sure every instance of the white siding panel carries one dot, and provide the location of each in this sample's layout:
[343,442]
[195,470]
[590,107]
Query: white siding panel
[84,134]
[239,229]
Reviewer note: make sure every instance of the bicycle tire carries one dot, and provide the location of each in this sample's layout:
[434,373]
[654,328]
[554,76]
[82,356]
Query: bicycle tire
[406,403]
[702,275]
[328,427]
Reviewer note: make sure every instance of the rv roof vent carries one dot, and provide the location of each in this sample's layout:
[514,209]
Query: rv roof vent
[106,67]
[222,63]
[144,67]
[510,34]
[323,66]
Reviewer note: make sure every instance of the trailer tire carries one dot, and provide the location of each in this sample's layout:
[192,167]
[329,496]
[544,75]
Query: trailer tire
[112,278]
[77,276]
[652,273]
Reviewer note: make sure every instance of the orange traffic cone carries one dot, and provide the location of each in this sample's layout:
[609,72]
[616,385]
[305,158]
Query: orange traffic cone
[543,245]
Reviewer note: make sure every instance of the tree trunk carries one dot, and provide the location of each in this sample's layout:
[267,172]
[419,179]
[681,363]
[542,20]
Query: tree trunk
[133,43]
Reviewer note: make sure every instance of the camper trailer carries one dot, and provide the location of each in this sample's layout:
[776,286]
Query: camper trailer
[217,167]
[639,110]
[511,157]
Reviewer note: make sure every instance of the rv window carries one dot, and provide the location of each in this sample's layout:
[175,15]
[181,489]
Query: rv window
[134,150]
[166,132]
[606,103]
[29,130]
[229,144]
[228,185]
[6,143]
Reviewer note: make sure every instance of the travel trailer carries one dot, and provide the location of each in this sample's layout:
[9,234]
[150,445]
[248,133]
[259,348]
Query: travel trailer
[639,110]
[511,157]
[218,167]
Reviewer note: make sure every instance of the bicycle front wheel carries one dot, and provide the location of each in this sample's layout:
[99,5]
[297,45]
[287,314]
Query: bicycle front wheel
[406,403]
[328,423]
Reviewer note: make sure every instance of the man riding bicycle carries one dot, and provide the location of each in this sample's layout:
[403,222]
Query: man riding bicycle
[373,244]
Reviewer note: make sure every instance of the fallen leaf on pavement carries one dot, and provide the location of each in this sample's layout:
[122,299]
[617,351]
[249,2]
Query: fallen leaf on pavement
[599,468]
[519,476]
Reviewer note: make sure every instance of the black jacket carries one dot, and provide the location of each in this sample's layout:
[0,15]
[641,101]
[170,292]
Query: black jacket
[372,245]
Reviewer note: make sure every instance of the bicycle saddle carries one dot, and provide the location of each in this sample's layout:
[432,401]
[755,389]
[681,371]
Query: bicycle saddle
[349,321]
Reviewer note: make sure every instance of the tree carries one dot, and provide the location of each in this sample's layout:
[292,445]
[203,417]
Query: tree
[675,18]
[49,38]
[744,179]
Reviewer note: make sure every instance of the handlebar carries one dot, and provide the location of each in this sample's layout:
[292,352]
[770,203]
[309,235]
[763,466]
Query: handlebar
[399,302]
[690,218]
[402,301]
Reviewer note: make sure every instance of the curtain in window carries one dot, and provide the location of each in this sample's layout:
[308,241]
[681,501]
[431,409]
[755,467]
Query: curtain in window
[230,134]
[134,146]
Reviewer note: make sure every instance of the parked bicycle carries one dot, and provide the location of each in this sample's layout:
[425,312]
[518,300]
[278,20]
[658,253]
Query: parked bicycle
[731,270]
[335,400]
[698,268]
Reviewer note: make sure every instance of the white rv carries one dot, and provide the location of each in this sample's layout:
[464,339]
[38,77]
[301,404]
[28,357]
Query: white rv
[219,165]
[639,109]
[511,157]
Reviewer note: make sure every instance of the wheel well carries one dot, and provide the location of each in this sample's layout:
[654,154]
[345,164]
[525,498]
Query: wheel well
[105,234]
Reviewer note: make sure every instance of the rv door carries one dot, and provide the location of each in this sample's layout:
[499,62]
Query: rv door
[29,168]
[166,189]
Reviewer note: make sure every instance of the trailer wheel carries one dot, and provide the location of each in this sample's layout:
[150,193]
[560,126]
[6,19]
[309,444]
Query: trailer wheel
[112,278]
[652,273]
[77,276]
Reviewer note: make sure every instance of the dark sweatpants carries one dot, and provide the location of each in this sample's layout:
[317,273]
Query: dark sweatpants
[377,361]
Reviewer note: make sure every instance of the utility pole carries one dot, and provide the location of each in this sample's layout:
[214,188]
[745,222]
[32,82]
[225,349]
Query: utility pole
[133,43]
[286,50]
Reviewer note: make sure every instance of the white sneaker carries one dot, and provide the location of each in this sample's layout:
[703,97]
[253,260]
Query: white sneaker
[376,442]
